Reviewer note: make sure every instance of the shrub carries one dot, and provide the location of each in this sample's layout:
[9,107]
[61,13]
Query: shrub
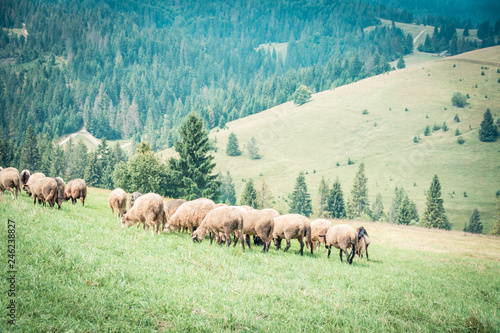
[459,100]
[460,140]
[349,161]
[427,131]
[436,127]
[365,111]
[456,119]
[457,132]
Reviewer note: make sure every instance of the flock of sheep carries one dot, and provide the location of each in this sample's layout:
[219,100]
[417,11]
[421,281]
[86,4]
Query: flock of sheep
[201,217]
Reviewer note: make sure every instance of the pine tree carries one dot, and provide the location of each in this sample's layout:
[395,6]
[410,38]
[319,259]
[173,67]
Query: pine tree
[495,231]
[300,202]
[249,195]
[191,173]
[474,225]
[253,150]
[488,131]
[404,212]
[434,214]
[359,193]
[58,166]
[378,208]
[265,198]
[397,198]
[401,63]
[301,95]
[227,190]
[30,156]
[336,205]
[92,171]
[323,196]
[232,148]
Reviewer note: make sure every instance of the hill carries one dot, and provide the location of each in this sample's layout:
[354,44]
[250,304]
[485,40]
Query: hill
[76,269]
[332,128]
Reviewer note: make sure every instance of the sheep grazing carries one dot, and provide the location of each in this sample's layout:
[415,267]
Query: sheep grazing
[319,227]
[31,180]
[259,223]
[61,187]
[24,176]
[75,189]
[363,242]
[173,205]
[224,219]
[342,237]
[9,180]
[117,201]
[148,209]
[133,198]
[288,227]
[190,214]
[45,190]
[246,207]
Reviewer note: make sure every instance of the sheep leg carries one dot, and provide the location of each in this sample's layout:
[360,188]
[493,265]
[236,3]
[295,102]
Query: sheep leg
[34,199]
[329,250]
[228,239]
[247,238]
[277,243]
[12,193]
[211,237]
[82,199]
[287,245]
[301,241]
[240,234]
[340,256]
[235,239]
[367,253]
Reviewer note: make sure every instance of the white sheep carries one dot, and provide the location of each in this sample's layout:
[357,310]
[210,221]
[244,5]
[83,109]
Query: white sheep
[342,237]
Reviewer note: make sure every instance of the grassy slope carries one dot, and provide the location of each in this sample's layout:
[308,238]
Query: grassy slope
[79,271]
[331,128]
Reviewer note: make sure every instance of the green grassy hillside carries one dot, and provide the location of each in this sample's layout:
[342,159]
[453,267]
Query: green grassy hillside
[331,128]
[77,270]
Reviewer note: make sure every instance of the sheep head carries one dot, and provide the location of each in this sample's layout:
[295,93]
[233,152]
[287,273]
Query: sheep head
[126,221]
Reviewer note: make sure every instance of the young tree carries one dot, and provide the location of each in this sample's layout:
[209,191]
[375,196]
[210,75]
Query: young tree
[378,208]
[232,148]
[336,205]
[434,214]
[495,231]
[300,202]
[474,225]
[301,95]
[92,171]
[401,63]
[191,173]
[265,198]
[359,193]
[253,150]
[323,196]
[30,156]
[397,198]
[407,211]
[249,195]
[488,131]
[227,190]
[459,100]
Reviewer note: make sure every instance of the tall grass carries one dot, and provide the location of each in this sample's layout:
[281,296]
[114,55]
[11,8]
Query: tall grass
[79,271]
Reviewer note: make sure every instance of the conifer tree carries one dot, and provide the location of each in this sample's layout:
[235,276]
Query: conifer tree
[233,148]
[495,231]
[58,165]
[336,205]
[227,190]
[359,193]
[474,225]
[405,213]
[92,171]
[397,198]
[300,202]
[191,173]
[30,156]
[249,195]
[434,214]
[378,208]
[301,95]
[265,198]
[253,150]
[488,131]
[401,63]
[323,196]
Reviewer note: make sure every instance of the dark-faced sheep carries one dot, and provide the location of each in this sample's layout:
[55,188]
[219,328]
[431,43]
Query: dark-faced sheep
[24,177]
[190,214]
[319,227]
[148,210]
[75,189]
[226,220]
[45,190]
[133,198]
[9,180]
[117,201]
[259,223]
[342,237]
[363,242]
[31,180]
[61,187]
[288,227]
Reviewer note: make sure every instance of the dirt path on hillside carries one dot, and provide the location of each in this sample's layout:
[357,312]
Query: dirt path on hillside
[480,62]
[90,137]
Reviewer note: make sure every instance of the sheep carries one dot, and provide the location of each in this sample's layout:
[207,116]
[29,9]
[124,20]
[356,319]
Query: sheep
[363,242]
[224,219]
[117,201]
[343,237]
[246,207]
[61,187]
[148,210]
[31,180]
[133,198]
[9,180]
[11,169]
[287,227]
[190,214]
[25,175]
[45,190]
[259,223]
[319,227]
[75,189]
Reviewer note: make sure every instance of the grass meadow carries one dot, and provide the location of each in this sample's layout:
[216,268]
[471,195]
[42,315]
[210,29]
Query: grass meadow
[78,271]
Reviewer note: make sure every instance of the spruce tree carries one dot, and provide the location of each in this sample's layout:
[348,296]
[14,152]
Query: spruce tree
[401,63]
[407,211]
[336,205]
[474,225]
[488,131]
[323,196]
[253,150]
[300,202]
[92,171]
[397,198]
[495,231]
[301,95]
[378,208]
[359,193]
[30,156]
[227,190]
[249,195]
[434,214]
[265,198]
[232,148]
[191,173]
[58,166]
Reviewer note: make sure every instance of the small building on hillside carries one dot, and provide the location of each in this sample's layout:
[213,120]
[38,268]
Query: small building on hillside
[445,54]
